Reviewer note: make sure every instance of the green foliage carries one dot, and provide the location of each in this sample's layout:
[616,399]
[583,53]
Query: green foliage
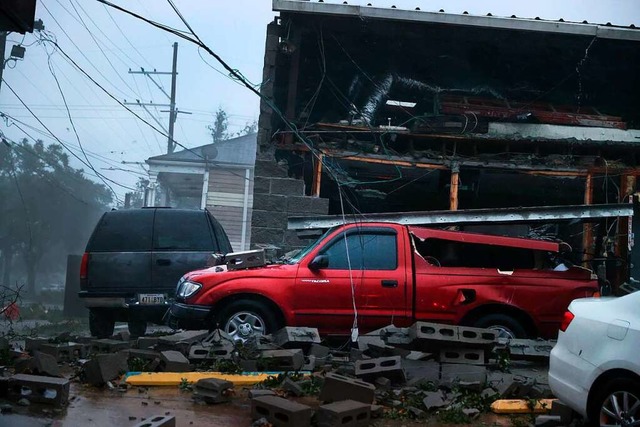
[219,130]
[185,385]
[453,415]
[226,366]
[137,364]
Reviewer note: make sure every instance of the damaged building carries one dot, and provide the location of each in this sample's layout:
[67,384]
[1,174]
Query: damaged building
[386,110]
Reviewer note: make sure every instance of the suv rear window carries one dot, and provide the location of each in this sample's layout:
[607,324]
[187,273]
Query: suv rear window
[123,231]
[177,230]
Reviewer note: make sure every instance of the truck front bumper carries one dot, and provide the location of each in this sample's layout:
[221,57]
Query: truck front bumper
[189,316]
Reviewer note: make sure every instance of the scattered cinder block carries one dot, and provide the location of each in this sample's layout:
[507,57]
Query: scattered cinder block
[174,361]
[292,387]
[346,413]
[122,336]
[309,363]
[39,389]
[296,337]
[33,344]
[281,412]
[397,337]
[435,399]
[213,390]
[45,364]
[281,360]
[421,371]
[158,421]
[210,352]
[388,367]
[462,355]
[107,345]
[105,367]
[24,365]
[532,350]
[319,351]
[476,337]
[257,392]
[142,354]
[452,373]
[560,409]
[218,337]
[65,352]
[548,421]
[338,387]
[146,343]
[181,341]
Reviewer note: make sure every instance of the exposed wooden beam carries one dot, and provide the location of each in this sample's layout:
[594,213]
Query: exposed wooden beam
[317,176]
[587,235]
[453,190]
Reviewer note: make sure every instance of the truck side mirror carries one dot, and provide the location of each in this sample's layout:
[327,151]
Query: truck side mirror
[319,262]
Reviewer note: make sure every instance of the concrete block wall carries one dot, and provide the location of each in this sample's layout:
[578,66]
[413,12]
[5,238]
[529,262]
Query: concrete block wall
[275,198]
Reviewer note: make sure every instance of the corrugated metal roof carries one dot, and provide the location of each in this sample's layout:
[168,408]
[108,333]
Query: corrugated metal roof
[514,22]
[239,151]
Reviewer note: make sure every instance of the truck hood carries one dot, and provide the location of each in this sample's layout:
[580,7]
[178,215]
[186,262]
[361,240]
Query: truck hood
[219,274]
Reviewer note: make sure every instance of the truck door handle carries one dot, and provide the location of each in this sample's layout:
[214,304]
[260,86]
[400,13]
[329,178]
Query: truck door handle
[163,261]
[389,283]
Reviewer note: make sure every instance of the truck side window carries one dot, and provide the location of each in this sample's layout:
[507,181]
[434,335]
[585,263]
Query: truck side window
[182,231]
[367,251]
[449,253]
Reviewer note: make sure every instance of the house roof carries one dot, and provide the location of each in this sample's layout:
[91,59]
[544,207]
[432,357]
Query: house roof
[236,151]
[513,23]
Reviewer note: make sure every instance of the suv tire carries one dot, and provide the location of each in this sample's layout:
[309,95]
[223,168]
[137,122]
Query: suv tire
[137,328]
[101,323]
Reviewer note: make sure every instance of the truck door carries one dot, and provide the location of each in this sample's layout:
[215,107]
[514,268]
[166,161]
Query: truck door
[364,269]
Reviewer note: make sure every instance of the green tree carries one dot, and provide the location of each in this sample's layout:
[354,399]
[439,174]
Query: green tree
[219,130]
[49,208]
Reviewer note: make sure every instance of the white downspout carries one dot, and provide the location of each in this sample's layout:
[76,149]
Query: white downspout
[245,209]
[205,189]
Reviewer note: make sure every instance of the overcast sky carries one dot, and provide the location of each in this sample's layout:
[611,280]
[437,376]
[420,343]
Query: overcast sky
[107,43]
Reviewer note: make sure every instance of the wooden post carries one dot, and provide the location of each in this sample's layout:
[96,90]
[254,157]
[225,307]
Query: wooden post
[453,190]
[587,228]
[317,176]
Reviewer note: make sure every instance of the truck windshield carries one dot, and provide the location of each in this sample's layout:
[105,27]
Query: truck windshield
[303,252]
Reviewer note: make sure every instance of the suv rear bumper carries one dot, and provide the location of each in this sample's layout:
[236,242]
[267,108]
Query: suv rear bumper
[189,316]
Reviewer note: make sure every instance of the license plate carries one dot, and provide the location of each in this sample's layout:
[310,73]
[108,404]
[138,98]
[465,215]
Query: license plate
[151,299]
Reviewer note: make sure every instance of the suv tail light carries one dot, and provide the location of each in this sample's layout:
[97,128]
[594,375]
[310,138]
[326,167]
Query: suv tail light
[566,320]
[84,267]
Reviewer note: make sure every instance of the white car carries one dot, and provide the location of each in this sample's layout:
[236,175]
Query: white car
[595,366]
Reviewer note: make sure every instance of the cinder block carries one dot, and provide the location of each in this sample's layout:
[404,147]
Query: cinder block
[462,355]
[146,343]
[501,382]
[46,364]
[477,337]
[122,336]
[66,352]
[302,205]
[270,168]
[174,361]
[421,371]
[268,202]
[158,421]
[213,390]
[435,399]
[218,337]
[319,351]
[287,186]
[257,392]
[388,367]
[548,421]
[181,341]
[560,409]
[142,354]
[210,352]
[281,360]
[105,367]
[290,337]
[429,336]
[39,389]
[532,350]
[338,387]
[108,345]
[281,412]
[394,336]
[33,344]
[346,413]
[452,373]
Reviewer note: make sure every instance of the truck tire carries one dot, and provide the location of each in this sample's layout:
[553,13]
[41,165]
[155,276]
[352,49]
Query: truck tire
[506,326]
[137,327]
[101,323]
[243,319]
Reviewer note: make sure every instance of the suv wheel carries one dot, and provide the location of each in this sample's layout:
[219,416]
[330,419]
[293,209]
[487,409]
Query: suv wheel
[618,403]
[137,328]
[505,326]
[101,323]
[244,319]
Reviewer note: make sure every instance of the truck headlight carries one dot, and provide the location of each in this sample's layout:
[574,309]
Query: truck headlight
[188,289]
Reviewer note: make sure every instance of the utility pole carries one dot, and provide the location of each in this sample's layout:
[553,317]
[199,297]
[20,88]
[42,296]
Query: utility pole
[173,111]
[3,42]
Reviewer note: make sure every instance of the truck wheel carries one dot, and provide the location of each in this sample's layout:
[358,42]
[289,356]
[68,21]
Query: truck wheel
[101,323]
[244,319]
[505,326]
[137,328]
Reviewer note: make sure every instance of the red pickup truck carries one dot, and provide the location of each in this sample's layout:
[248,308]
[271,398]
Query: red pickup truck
[376,274]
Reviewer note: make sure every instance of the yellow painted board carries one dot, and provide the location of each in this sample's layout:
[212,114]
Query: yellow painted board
[175,378]
[521,406]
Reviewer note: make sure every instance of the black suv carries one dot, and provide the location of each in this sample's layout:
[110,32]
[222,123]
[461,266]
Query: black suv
[134,259]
